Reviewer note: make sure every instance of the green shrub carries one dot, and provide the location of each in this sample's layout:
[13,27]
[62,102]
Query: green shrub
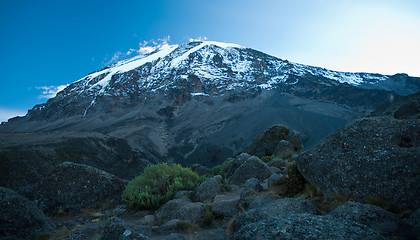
[222,169]
[267,159]
[208,216]
[157,185]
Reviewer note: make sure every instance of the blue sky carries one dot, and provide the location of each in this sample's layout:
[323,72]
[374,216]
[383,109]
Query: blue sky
[45,45]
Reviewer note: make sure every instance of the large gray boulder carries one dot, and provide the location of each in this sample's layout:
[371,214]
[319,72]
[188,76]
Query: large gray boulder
[253,167]
[207,190]
[19,217]
[278,141]
[274,208]
[182,209]
[225,205]
[371,158]
[304,226]
[73,186]
[380,220]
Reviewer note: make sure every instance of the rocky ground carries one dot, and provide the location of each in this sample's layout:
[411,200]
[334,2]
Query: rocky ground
[80,202]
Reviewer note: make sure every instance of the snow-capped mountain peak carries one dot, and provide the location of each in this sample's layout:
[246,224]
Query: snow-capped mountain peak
[202,68]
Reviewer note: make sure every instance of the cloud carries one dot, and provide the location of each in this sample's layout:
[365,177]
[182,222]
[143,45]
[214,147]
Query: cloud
[199,39]
[6,114]
[50,91]
[146,47]
[115,58]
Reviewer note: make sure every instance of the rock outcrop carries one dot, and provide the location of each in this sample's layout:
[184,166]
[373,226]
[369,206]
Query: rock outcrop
[71,187]
[369,159]
[253,167]
[277,141]
[19,217]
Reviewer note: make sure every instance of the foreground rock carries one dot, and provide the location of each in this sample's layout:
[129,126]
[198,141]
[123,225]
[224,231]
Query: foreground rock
[277,141]
[370,159]
[19,217]
[72,186]
[253,167]
[274,208]
[383,222]
[304,226]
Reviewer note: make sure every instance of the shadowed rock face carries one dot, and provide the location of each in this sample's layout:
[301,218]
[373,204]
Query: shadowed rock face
[371,158]
[19,217]
[71,187]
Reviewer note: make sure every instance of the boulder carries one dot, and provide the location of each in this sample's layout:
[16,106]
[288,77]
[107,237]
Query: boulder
[304,226]
[278,163]
[168,210]
[265,144]
[282,206]
[251,168]
[378,219]
[116,228]
[19,217]
[253,184]
[72,186]
[371,158]
[261,200]
[284,149]
[225,205]
[170,226]
[207,191]
[236,163]
[274,179]
[296,140]
[182,209]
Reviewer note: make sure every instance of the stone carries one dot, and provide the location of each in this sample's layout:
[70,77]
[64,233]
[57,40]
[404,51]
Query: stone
[71,187]
[170,226]
[182,209]
[236,163]
[168,210]
[251,168]
[207,191]
[273,179]
[296,141]
[376,218]
[281,206]
[371,158]
[284,149]
[261,200]
[225,205]
[278,163]
[266,143]
[275,170]
[116,228]
[19,217]
[253,184]
[304,226]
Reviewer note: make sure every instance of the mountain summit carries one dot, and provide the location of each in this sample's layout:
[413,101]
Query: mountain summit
[205,101]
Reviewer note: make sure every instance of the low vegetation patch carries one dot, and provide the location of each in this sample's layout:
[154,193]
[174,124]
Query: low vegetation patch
[158,184]
[223,169]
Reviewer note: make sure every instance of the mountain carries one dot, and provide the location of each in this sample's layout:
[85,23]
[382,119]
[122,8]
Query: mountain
[202,102]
